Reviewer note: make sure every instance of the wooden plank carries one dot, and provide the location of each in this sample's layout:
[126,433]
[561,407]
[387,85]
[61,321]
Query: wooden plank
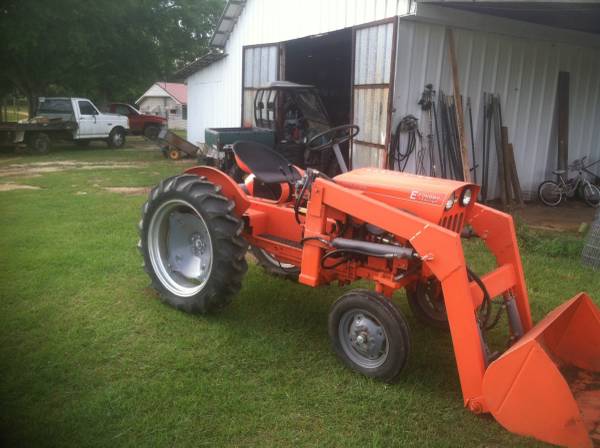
[516,184]
[499,151]
[506,163]
[460,117]
[563,120]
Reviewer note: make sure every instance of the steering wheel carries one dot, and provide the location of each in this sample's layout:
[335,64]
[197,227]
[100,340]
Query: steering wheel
[339,135]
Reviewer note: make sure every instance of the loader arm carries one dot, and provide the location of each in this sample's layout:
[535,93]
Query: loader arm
[443,254]
[546,384]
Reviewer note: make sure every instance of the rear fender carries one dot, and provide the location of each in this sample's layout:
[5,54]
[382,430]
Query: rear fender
[229,187]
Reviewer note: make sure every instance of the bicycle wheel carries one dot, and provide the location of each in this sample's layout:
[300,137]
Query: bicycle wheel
[591,195]
[550,193]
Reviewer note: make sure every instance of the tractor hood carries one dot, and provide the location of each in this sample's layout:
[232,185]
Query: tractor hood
[426,197]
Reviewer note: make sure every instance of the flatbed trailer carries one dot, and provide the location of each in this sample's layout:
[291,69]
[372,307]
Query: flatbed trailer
[35,136]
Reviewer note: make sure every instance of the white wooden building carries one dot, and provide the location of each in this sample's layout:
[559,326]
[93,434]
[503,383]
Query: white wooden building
[372,58]
[166,99]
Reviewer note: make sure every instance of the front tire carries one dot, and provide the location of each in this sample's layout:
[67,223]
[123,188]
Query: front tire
[591,195]
[369,334]
[116,138]
[192,245]
[550,193]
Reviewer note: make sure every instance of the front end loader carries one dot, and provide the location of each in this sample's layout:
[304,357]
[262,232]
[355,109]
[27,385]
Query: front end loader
[399,231]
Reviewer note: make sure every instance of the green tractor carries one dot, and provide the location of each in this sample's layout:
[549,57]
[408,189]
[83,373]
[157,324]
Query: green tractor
[288,117]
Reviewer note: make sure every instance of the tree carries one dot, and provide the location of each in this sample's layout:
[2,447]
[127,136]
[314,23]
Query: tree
[108,50]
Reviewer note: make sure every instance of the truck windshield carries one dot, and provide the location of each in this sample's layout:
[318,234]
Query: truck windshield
[55,106]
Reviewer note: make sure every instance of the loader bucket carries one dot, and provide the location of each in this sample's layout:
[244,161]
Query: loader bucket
[547,385]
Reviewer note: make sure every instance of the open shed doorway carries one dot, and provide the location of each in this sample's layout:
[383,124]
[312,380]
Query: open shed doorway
[324,61]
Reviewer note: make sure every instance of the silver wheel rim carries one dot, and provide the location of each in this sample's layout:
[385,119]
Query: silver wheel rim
[117,138]
[180,248]
[276,262]
[551,194]
[363,338]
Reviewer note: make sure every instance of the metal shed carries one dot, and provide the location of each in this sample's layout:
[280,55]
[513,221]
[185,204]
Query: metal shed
[395,47]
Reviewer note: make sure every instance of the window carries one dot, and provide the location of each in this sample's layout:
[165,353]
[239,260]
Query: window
[87,108]
[122,110]
[184,112]
[55,106]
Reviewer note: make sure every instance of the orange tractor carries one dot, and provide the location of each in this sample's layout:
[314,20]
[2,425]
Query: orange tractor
[399,231]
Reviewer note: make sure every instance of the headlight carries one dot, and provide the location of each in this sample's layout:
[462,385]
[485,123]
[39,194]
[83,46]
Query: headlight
[450,202]
[466,197]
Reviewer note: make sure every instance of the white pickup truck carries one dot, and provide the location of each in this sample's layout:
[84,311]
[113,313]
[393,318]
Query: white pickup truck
[76,119]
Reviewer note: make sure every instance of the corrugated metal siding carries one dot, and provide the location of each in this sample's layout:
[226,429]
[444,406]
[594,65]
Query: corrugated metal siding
[370,114]
[373,48]
[523,72]
[215,92]
[261,67]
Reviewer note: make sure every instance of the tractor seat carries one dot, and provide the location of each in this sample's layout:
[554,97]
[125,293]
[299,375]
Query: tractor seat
[267,165]
[558,172]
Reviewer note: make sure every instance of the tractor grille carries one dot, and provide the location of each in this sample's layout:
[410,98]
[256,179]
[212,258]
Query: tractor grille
[453,222]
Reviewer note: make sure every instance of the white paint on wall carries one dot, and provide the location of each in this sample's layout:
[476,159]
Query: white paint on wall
[215,92]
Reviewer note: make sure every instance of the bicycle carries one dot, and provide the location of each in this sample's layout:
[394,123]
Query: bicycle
[552,193]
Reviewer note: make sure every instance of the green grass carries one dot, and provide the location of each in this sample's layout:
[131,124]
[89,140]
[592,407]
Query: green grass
[90,357]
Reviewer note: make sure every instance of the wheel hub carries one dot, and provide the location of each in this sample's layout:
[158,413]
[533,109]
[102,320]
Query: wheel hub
[180,248]
[363,338]
[198,244]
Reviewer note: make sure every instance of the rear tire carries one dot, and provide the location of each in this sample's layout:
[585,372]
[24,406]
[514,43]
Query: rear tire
[591,195]
[151,132]
[192,245]
[273,266]
[550,193]
[369,334]
[116,138]
[426,301]
[39,143]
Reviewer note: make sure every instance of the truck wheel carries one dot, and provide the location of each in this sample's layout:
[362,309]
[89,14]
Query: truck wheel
[191,244]
[116,138]
[273,266]
[39,143]
[151,132]
[426,301]
[369,334]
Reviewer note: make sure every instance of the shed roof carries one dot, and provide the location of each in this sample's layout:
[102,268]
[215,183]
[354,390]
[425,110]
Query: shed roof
[203,61]
[174,90]
[233,9]
[578,16]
